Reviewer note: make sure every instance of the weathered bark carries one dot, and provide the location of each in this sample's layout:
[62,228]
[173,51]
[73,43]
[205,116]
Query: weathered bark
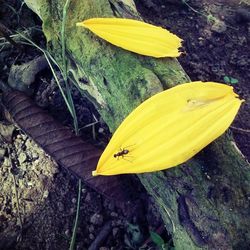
[204,202]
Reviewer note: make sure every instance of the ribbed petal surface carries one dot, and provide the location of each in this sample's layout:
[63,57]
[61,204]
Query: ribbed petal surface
[136,36]
[170,128]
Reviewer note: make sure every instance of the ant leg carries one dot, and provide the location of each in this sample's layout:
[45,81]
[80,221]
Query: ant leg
[125,157]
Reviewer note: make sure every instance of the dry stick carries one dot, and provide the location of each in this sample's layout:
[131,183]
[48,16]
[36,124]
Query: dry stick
[105,231]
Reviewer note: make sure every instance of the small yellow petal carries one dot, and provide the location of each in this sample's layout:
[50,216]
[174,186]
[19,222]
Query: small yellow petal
[136,36]
[170,128]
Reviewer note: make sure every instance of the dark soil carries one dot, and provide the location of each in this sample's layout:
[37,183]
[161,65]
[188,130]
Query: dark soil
[216,44]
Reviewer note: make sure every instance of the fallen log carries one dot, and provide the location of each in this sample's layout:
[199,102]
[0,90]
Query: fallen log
[204,202]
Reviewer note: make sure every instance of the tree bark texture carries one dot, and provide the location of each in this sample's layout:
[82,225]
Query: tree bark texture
[205,202]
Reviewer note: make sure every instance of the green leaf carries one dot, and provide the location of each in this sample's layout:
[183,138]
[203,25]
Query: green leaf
[156,238]
[226,79]
[233,80]
[230,80]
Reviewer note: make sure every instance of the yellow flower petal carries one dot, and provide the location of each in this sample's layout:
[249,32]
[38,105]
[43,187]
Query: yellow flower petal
[136,36]
[170,128]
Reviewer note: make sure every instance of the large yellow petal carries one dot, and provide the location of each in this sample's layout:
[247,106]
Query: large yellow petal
[170,128]
[136,36]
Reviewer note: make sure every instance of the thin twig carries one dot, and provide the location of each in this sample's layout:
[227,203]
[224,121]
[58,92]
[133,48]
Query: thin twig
[167,212]
[240,129]
[65,68]
[73,238]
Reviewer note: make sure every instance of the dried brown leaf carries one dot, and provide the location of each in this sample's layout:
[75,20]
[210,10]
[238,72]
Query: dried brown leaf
[73,153]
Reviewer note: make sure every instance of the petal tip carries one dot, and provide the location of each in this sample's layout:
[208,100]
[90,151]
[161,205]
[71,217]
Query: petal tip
[94,173]
[80,24]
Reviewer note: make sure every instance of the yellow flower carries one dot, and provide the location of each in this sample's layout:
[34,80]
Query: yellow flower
[170,128]
[136,36]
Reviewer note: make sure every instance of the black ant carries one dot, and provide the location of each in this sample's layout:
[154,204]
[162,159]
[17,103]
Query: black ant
[121,153]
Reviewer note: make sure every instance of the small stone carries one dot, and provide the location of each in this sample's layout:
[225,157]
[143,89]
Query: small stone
[101,130]
[119,222]
[80,246]
[60,206]
[113,214]
[91,229]
[88,198]
[6,162]
[91,236]
[22,157]
[115,231]
[35,155]
[96,219]
[219,26]
[45,194]
[67,233]
[30,184]
[86,240]
[111,206]
[74,200]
